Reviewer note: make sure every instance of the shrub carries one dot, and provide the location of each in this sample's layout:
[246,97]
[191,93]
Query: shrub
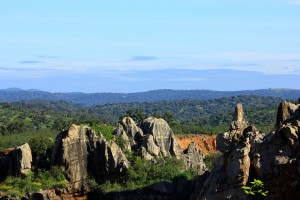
[17,186]
[105,129]
[120,141]
[41,147]
[256,188]
[108,187]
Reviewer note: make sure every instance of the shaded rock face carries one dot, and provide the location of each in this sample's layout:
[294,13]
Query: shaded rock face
[130,132]
[15,162]
[163,137]
[84,154]
[288,113]
[193,158]
[274,159]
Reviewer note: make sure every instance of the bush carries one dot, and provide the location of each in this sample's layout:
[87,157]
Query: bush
[143,173]
[108,187]
[41,148]
[120,141]
[17,186]
[105,129]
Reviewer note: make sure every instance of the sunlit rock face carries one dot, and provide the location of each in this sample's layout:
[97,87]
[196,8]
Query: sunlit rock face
[163,136]
[82,154]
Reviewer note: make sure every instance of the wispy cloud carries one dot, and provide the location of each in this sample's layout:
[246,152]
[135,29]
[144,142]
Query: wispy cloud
[44,56]
[30,62]
[143,58]
[26,69]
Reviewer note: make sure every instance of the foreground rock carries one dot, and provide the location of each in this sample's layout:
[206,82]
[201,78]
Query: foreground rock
[82,154]
[274,159]
[15,162]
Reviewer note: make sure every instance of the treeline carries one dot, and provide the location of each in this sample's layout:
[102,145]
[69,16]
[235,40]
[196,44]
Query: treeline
[92,99]
[184,116]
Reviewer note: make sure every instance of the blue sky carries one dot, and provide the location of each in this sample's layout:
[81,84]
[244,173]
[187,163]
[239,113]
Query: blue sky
[118,46]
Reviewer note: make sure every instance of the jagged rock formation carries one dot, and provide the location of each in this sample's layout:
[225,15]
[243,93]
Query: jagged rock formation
[84,154]
[193,158]
[156,139]
[288,113]
[15,162]
[229,139]
[274,159]
[130,132]
[163,137]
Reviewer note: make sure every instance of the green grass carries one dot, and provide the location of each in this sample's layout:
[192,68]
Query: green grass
[19,187]
[105,129]
[14,140]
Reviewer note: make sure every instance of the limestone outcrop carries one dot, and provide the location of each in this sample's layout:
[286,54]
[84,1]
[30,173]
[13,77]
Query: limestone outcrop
[228,140]
[288,113]
[130,132]
[272,158]
[163,138]
[15,162]
[155,139]
[193,158]
[82,154]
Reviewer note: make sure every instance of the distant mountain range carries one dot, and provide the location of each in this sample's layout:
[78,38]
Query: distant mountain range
[91,99]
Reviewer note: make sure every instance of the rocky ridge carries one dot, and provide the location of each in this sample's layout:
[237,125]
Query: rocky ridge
[249,154]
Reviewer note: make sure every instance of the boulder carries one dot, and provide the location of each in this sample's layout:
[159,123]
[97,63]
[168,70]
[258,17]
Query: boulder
[163,136]
[193,158]
[15,162]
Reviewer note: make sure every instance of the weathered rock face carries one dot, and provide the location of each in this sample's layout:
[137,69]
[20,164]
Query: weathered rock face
[274,159]
[193,158]
[15,162]
[228,140]
[130,132]
[71,151]
[115,160]
[150,146]
[84,154]
[163,137]
[288,113]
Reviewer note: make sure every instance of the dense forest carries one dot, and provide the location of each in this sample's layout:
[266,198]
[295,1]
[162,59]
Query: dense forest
[20,120]
[92,99]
